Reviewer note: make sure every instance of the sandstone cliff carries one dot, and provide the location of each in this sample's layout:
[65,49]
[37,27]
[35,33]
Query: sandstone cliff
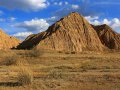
[7,42]
[71,33]
[108,37]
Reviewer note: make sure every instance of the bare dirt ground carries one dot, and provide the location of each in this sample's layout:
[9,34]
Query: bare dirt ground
[49,70]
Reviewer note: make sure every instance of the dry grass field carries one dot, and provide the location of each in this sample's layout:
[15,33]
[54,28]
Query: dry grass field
[50,70]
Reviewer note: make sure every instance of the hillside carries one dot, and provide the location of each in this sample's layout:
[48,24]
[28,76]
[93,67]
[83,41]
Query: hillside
[71,33]
[108,36]
[7,42]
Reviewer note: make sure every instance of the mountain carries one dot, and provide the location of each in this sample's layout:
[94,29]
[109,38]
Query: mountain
[7,42]
[108,37]
[71,33]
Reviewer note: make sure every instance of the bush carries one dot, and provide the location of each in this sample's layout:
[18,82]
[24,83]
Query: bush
[73,52]
[60,52]
[35,53]
[9,61]
[53,74]
[25,78]
[106,77]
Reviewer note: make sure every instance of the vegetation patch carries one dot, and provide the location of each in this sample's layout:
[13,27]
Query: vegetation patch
[11,60]
[34,53]
[25,78]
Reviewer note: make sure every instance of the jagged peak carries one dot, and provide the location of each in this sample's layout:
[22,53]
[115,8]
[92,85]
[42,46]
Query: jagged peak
[108,36]
[70,33]
[72,14]
[56,25]
[103,25]
[105,28]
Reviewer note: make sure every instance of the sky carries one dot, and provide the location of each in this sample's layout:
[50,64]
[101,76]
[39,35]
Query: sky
[21,18]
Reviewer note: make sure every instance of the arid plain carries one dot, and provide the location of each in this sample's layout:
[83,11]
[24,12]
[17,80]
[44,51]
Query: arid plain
[51,70]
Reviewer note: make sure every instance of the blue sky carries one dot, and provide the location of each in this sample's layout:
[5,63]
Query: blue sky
[21,18]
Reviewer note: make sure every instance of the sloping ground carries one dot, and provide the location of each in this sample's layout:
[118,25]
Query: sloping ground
[108,37]
[71,33]
[7,42]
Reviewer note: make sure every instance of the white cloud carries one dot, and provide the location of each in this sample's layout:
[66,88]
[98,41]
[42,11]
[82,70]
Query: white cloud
[12,19]
[66,3]
[60,3]
[1,12]
[114,23]
[34,25]
[52,20]
[96,22]
[106,21]
[22,35]
[93,20]
[90,18]
[9,19]
[26,5]
[116,20]
[75,6]
[55,3]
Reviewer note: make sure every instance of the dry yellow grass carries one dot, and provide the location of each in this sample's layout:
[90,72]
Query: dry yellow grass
[61,71]
[25,76]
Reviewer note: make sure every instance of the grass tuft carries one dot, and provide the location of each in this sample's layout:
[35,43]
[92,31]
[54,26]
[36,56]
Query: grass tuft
[34,53]
[8,61]
[25,78]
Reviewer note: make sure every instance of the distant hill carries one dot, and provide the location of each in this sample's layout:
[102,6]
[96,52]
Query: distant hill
[108,37]
[7,42]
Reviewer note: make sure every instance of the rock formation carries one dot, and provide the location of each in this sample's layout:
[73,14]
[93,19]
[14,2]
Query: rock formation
[108,37]
[7,42]
[71,33]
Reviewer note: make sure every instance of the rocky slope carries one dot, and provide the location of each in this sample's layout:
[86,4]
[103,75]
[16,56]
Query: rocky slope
[71,33]
[108,37]
[7,42]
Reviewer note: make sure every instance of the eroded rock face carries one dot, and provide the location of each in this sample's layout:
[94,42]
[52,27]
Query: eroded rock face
[108,37]
[71,33]
[7,42]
